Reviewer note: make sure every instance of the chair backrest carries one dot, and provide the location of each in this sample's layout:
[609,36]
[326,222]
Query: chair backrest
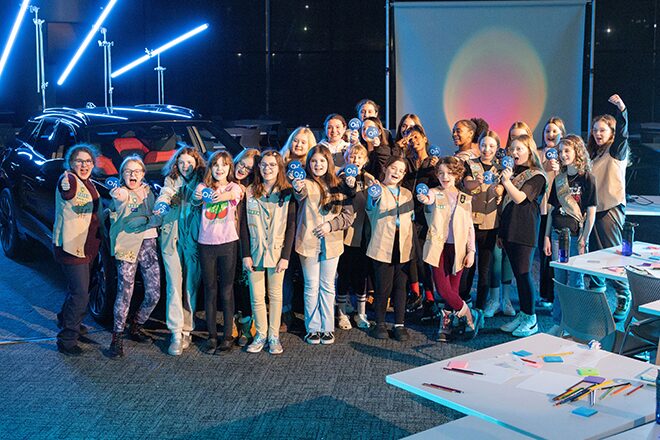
[585,315]
[644,289]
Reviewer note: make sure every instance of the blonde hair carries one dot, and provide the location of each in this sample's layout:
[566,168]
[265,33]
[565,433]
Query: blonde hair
[515,126]
[582,161]
[534,160]
[357,149]
[286,149]
[133,158]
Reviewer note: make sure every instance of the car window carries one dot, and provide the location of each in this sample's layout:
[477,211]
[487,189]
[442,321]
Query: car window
[66,137]
[27,133]
[45,143]
[154,142]
[215,138]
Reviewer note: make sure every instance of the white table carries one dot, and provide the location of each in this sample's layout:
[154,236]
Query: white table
[652,308]
[644,206]
[598,262]
[531,412]
[650,431]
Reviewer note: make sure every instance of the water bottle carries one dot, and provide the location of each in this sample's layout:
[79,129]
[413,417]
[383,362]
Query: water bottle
[657,398]
[628,239]
[564,245]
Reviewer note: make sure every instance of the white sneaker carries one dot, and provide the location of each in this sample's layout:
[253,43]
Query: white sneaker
[512,325]
[257,345]
[175,348]
[507,308]
[185,341]
[492,307]
[344,322]
[275,346]
[528,326]
[362,321]
[555,330]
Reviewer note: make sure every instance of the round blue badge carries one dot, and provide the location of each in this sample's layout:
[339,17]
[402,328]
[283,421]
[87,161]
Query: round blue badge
[500,153]
[112,182]
[294,164]
[375,191]
[161,208]
[435,151]
[354,124]
[351,170]
[489,177]
[507,162]
[207,195]
[371,133]
[422,188]
[299,174]
[551,153]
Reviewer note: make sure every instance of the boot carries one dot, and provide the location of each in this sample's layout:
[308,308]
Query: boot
[117,345]
[445,330]
[244,325]
[137,332]
[472,318]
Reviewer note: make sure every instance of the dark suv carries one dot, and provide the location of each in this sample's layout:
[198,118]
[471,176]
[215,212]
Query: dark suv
[31,163]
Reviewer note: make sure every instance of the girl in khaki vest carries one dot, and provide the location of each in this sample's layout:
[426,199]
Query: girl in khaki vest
[133,241]
[268,221]
[449,247]
[390,247]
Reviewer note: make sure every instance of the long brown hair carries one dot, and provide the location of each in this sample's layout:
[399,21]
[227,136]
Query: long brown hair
[533,160]
[172,170]
[560,125]
[592,147]
[327,181]
[382,131]
[281,183]
[415,119]
[226,159]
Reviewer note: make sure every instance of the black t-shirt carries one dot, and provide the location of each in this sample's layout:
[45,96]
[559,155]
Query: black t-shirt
[519,223]
[583,190]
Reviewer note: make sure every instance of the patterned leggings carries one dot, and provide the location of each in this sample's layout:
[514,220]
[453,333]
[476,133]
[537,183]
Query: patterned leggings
[148,262]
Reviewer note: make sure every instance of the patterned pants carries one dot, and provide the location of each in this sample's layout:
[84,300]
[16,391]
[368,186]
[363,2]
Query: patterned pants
[148,262]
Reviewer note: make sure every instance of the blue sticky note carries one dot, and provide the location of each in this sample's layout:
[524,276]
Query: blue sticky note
[522,353]
[584,411]
[553,359]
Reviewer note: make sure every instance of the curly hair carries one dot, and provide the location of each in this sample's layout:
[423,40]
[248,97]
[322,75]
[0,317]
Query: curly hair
[226,159]
[592,147]
[172,170]
[455,166]
[582,162]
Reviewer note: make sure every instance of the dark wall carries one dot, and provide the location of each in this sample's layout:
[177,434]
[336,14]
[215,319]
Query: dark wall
[328,67]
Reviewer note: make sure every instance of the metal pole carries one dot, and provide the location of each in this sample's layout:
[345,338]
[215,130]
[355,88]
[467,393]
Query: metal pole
[39,51]
[35,20]
[161,81]
[387,64]
[107,69]
[591,64]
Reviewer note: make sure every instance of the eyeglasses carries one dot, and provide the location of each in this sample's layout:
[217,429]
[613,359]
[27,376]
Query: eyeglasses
[133,172]
[268,165]
[81,162]
[242,166]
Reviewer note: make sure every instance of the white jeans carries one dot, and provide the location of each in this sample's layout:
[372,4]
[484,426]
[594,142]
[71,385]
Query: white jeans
[266,325]
[319,293]
[183,277]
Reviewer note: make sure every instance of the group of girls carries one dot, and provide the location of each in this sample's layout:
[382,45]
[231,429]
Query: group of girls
[406,221]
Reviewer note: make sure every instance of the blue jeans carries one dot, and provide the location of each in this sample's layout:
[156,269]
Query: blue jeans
[568,277]
[319,293]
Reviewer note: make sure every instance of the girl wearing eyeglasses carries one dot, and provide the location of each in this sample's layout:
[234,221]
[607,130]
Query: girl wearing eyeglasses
[76,241]
[218,245]
[133,243]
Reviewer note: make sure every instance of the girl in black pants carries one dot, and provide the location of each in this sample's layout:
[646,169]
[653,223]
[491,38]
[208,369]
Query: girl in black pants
[519,226]
[218,244]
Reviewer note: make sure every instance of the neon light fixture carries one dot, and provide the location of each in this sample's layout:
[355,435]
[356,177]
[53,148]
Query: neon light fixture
[12,35]
[163,48]
[85,43]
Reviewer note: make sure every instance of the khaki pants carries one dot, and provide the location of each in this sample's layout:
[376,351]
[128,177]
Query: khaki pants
[257,279]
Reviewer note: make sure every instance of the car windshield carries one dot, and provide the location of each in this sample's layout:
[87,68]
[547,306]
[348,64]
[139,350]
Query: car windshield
[154,142]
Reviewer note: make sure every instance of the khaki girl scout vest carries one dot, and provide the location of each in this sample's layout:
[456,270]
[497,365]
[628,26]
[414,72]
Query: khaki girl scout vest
[353,235]
[610,175]
[382,218]
[72,219]
[182,222]
[484,201]
[519,180]
[310,215]
[124,243]
[438,216]
[267,223]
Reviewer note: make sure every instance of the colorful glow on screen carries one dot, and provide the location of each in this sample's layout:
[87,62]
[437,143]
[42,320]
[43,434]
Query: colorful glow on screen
[498,76]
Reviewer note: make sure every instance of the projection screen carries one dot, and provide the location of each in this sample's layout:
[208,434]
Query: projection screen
[502,61]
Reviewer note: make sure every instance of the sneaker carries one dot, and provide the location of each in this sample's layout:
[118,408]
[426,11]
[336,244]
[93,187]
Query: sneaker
[512,325]
[186,340]
[257,345]
[544,305]
[313,338]
[138,334]
[622,307]
[492,307]
[210,346]
[477,322]
[413,302]
[528,326]
[344,322]
[362,321]
[274,346]
[380,331]
[430,311]
[327,338]
[507,308]
[226,344]
[117,345]
[555,330]
[74,350]
[176,345]
[401,334]
[445,330]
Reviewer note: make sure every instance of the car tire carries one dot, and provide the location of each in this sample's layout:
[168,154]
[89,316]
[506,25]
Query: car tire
[103,286]
[10,239]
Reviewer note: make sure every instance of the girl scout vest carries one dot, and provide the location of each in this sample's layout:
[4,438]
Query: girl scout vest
[484,200]
[124,243]
[267,223]
[383,226]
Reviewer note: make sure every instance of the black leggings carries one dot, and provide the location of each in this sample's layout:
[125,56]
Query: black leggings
[485,241]
[218,259]
[390,281]
[546,273]
[521,263]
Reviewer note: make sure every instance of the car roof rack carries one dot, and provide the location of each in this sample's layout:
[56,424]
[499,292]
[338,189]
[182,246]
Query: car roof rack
[168,107]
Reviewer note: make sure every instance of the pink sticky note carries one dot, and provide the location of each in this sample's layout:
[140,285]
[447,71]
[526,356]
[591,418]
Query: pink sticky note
[457,364]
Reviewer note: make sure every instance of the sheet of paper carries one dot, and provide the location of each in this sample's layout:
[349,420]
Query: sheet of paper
[547,382]
[497,370]
[582,356]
